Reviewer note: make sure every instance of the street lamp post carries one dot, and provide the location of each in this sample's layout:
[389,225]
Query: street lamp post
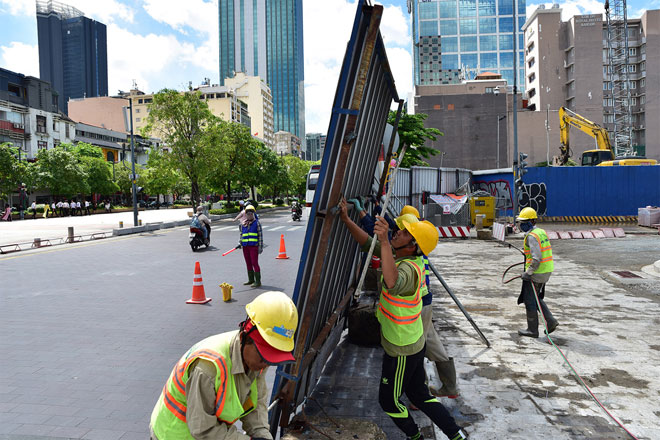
[499,118]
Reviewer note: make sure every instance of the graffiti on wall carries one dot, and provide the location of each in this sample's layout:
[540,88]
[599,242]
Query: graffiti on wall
[500,189]
[533,195]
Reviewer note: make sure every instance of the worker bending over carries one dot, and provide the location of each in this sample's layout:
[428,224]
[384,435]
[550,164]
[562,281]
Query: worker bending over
[435,350]
[399,314]
[222,378]
[538,268]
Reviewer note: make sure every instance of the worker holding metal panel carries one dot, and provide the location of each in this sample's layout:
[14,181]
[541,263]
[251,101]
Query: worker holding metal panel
[399,313]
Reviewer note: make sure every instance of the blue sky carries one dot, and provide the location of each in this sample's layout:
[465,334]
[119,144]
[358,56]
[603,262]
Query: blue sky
[167,43]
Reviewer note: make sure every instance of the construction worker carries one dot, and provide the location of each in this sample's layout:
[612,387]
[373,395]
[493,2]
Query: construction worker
[222,378]
[252,242]
[435,350]
[538,268]
[399,313]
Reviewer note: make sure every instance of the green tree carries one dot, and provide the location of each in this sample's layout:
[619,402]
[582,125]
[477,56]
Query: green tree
[11,170]
[297,170]
[58,170]
[123,178]
[413,134]
[159,177]
[98,170]
[182,120]
[275,178]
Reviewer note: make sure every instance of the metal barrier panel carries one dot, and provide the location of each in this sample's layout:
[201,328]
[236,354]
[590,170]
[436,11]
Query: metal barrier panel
[364,95]
[401,191]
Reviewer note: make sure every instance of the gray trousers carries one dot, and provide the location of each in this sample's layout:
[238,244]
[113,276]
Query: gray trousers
[435,350]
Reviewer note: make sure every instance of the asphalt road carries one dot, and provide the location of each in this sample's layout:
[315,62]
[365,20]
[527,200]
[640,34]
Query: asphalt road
[91,331]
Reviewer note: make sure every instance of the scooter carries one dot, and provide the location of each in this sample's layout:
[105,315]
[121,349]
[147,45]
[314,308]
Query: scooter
[296,211]
[197,240]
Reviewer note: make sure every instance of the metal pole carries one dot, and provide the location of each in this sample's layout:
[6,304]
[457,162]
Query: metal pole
[133,177]
[498,141]
[515,106]
[547,135]
[458,303]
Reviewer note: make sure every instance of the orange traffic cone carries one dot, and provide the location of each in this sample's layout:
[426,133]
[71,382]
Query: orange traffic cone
[198,294]
[282,255]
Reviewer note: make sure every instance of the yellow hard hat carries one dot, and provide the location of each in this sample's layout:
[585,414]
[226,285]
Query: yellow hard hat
[410,218]
[409,210]
[527,214]
[425,234]
[249,208]
[276,318]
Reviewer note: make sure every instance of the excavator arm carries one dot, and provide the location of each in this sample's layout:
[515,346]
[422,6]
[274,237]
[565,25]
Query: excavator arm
[568,118]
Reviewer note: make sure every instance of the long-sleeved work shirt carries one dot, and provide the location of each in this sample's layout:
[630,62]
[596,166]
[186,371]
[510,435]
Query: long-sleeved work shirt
[200,399]
[535,252]
[405,286]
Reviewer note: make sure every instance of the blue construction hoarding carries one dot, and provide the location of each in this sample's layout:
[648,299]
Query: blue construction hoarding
[577,191]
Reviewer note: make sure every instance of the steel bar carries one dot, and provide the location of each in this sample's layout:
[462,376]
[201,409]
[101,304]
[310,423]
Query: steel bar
[388,156]
[458,303]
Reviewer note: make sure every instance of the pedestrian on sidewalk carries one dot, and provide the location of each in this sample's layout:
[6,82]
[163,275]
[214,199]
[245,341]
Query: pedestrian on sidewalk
[7,215]
[435,349]
[33,207]
[538,268]
[46,210]
[58,205]
[402,332]
[108,207]
[65,208]
[222,378]
[79,208]
[87,207]
[251,240]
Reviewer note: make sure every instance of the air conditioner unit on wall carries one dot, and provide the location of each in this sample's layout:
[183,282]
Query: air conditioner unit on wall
[18,125]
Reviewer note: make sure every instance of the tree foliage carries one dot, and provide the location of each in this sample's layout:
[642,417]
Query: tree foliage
[158,177]
[413,134]
[59,171]
[11,170]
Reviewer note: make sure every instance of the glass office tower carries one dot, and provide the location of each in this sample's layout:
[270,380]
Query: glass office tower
[472,35]
[73,54]
[265,38]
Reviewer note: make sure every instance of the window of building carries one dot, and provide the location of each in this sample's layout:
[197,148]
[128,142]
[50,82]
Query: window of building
[643,49]
[506,24]
[530,47]
[608,102]
[448,27]
[428,28]
[531,77]
[506,42]
[428,10]
[467,8]
[468,26]
[642,82]
[488,42]
[14,90]
[489,90]
[469,44]
[41,124]
[137,110]
[531,62]
[633,85]
[66,130]
[487,25]
[632,51]
[449,44]
[487,7]
[138,119]
[506,60]
[505,7]
[140,101]
[632,68]
[449,61]
[488,60]
[642,99]
[448,9]
[470,60]
[148,100]
[42,145]
[606,85]
[642,66]
[54,125]
[531,93]
[633,101]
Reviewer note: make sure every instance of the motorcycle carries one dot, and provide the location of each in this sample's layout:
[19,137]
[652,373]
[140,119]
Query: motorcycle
[196,237]
[296,211]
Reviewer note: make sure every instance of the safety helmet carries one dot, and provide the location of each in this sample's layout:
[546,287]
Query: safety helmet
[425,234]
[527,214]
[249,208]
[276,318]
[410,218]
[409,210]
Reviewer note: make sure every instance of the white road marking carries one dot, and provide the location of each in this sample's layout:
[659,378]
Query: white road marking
[277,228]
[224,228]
[295,228]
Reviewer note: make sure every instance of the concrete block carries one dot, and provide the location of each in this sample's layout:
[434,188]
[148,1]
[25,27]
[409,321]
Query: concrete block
[587,234]
[552,235]
[565,235]
[619,232]
[484,234]
[597,233]
[576,234]
[607,232]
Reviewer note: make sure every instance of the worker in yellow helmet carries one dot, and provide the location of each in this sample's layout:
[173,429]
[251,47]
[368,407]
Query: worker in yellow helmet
[539,265]
[435,349]
[221,379]
[399,313]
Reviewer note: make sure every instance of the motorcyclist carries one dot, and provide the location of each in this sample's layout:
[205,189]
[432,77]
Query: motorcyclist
[204,220]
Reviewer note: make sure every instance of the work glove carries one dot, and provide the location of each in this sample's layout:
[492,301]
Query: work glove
[526,277]
[357,204]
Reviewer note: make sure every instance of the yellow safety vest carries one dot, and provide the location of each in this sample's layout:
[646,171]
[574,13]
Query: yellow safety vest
[547,265]
[400,318]
[168,419]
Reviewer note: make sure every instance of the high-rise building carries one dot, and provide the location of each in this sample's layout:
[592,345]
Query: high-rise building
[567,65]
[256,94]
[315,143]
[467,35]
[265,38]
[73,54]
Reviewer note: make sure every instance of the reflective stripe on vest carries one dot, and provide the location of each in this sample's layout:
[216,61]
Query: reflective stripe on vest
[547,264]
[425,288]
[400,318]
[250,235]
[168,418]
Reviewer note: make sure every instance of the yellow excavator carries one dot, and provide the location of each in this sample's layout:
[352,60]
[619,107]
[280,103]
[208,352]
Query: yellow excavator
[604,155]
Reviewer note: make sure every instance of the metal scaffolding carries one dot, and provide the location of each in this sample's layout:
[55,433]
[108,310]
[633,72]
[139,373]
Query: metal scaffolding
[618,73]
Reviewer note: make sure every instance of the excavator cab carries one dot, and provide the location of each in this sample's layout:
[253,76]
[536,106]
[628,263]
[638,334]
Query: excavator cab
[592,158]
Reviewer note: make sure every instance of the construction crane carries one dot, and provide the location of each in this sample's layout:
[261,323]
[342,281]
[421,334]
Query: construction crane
[617,50]
[603,155]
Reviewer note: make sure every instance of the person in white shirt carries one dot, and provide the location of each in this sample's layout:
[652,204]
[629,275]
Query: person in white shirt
[65,208]
[87,207]
[58,205]
[33,207]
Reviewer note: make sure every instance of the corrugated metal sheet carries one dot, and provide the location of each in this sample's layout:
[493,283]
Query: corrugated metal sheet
[326,273]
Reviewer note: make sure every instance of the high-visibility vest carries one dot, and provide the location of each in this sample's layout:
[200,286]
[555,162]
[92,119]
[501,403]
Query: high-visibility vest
[547,265]
[425,288]
[250,235]
[168,419]
[400,318]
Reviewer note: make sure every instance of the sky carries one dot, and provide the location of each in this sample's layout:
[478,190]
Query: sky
[167,43]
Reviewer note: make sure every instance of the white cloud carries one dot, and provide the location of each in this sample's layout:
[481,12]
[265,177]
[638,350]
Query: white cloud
[571,8]
[327,29]
[105,11]
[20,57]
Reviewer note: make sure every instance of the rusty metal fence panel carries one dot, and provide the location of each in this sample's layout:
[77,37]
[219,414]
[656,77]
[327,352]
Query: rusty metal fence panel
[326,275]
